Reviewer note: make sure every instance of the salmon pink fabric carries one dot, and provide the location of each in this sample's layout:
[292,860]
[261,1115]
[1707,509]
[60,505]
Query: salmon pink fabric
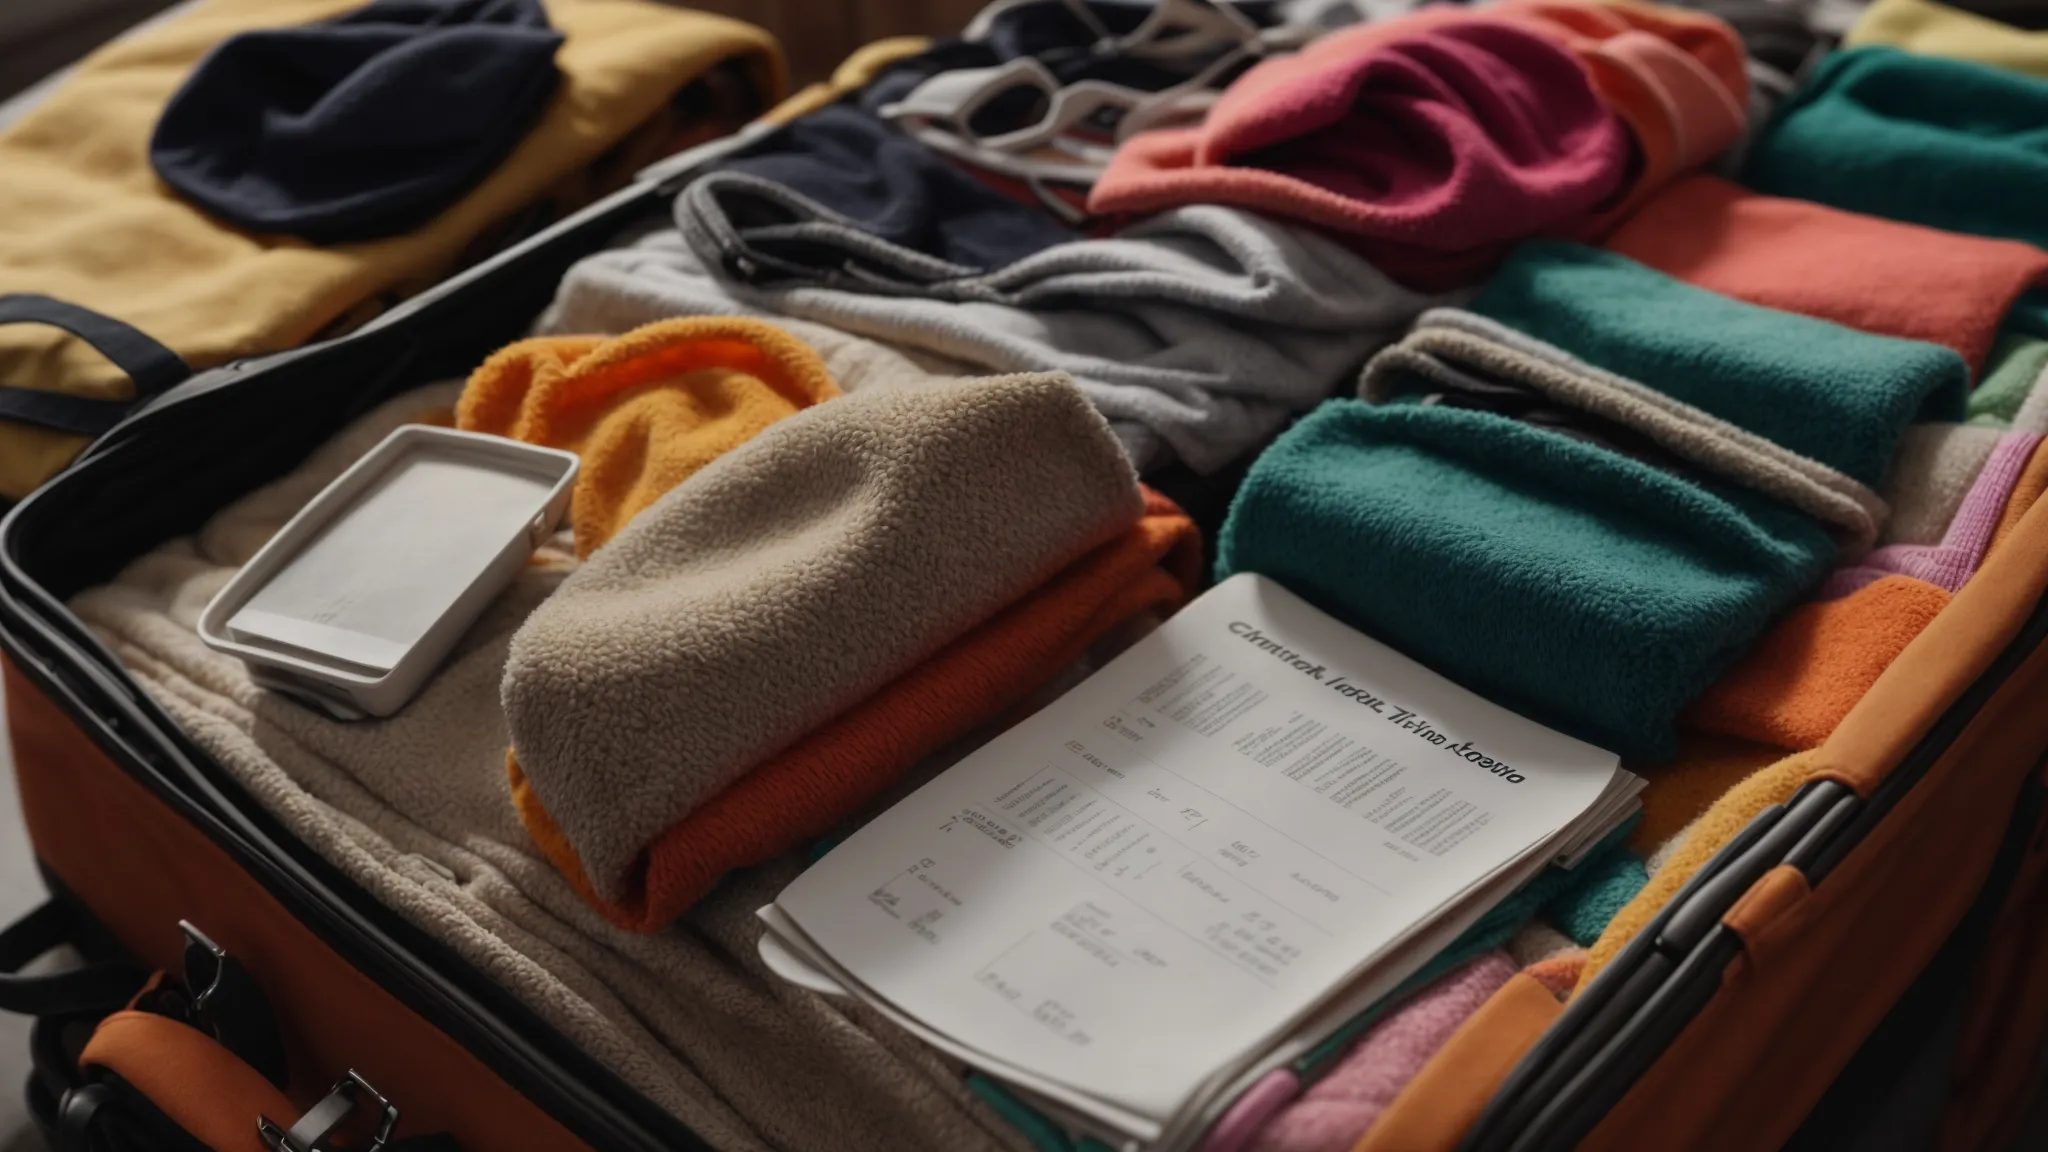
[1881,276]
[1429,152]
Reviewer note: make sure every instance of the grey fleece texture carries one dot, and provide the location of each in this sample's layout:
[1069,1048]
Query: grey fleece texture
[790,579]
[1197,332]
[1447,339]
[416,809]
[1931,473]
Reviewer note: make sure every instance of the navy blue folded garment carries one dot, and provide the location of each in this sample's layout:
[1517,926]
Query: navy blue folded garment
[363,126]
[892,209]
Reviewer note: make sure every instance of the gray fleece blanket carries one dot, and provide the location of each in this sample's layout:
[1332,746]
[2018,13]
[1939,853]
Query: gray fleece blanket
[1197,332]
[417,810]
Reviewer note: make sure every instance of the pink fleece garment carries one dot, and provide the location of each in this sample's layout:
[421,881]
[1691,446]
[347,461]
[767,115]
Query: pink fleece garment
[1429,153]
[1339,1108]
[1953,561]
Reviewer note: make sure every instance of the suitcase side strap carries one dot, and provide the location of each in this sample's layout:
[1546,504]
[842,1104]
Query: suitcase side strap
[92,989]
[150,365]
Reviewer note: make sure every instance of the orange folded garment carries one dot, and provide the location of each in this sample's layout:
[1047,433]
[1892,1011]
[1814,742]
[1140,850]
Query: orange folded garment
[1881,276]
[644,410]
[2032,483]
[831,774]
[1706,768]
[1794,686]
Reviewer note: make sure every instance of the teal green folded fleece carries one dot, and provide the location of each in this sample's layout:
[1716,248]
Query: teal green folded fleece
[1579,587]
[1945,143]
[1830,393]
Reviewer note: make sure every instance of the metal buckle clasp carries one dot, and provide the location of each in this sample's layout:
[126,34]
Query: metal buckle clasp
[322,1121]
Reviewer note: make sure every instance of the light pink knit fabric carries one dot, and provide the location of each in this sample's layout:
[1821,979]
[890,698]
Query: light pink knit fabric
[1953,561]
[1339,1108]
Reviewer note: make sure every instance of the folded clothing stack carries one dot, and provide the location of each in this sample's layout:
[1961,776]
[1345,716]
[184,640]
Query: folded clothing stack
[1583,585]
[1945,143]
[1196,333]
[840,198]
[773,642]
[1514,147]
[90,222]
[1428,151]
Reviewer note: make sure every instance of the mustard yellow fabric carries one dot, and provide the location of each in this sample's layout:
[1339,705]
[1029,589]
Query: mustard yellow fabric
[1932,29]
[1713,830]
[84,219]
[853,72]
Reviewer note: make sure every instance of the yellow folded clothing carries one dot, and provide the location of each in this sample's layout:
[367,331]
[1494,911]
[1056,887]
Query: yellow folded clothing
[1933,29]
[88,222]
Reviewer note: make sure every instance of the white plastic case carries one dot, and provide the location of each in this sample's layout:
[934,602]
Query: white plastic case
[354,603]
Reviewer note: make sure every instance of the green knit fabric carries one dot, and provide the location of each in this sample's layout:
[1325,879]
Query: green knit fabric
[1583,911]
[1945,143]
[1827,392]
[1581,588]
[2016,362]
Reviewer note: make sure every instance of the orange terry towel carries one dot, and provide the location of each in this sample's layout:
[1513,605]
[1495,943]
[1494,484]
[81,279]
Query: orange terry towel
[644,410]
[836,771]
[1794,686]
[1881,276]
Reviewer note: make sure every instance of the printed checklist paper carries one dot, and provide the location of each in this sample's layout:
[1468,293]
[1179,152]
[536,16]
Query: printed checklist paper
[1156,879]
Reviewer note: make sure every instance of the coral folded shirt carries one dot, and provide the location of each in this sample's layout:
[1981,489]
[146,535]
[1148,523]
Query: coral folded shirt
[1863,272]
[1428,151]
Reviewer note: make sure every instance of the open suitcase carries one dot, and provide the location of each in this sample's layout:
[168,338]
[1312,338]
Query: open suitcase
[1897,904]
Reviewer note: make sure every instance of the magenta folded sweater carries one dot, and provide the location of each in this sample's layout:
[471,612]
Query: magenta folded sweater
[1953,561]
[1429,153]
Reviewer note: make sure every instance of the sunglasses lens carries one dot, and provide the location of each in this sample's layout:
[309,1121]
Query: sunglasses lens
[1017,107]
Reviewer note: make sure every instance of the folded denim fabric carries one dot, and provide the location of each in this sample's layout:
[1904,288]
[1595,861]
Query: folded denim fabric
[1196,333]
[1448,347]
[1428,151]
[839,769]
[1832,394]
[1867,273]
[772,591]
[839,193]
[361,126]
[1572,584]
[1951,563]
[1796,684]
[1933,472]
[644,410]
[1871,124]
[1927,28]
[415,810]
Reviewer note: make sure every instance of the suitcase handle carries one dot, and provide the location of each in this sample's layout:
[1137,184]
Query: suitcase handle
[152,367]
[213,1096]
